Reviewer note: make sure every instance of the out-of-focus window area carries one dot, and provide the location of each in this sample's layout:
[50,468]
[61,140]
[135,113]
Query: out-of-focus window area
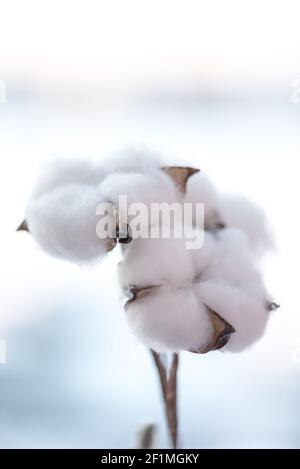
[213,83]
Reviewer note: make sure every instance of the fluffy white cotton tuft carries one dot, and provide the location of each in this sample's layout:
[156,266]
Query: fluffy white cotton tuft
[222,276]
[63,222]
[156,262]
[235,289]
[239,212]
[134,160]
[232,263]
[60,172]
[204,256]
[201,190]
[156,187]
[62,217]
[170,320]
[244,312]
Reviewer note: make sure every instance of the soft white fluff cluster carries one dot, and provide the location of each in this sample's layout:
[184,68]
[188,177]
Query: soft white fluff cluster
[61,214]
[171,312]
[230,210]
[197,300]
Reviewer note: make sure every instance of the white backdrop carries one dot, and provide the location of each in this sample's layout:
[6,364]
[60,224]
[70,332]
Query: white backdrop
[204,83]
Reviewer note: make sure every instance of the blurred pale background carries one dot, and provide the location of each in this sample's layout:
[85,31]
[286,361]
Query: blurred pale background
[211,83]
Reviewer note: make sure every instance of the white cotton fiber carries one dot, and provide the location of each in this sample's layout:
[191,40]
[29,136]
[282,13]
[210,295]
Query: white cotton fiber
[239,212]
[63,222]
[187,278]
[203,256]
[147,189]
[130,160]
[60,172]
[201,190]
[221,275]
[244,312]
[170,320]
[232,263]
[156,262]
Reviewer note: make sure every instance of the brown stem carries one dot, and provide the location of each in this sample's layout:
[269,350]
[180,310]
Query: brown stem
[146,437]
[169,392]
[162,373]
[171,400]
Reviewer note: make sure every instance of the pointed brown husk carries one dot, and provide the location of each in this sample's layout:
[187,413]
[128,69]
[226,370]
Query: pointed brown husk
[180,175]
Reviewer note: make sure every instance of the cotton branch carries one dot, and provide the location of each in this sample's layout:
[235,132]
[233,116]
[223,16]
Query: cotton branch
[168,382]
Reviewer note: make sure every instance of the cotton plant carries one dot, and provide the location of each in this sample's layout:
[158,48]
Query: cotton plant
[176,297]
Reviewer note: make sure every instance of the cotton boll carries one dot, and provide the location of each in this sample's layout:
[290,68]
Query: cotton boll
[155,262]
[204,256]
[170,320]
[147,189]
[154,188]
[58,172]
[239,212]
[201,190]
[64,221]
[132,160]
[232,263]
[246,314]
